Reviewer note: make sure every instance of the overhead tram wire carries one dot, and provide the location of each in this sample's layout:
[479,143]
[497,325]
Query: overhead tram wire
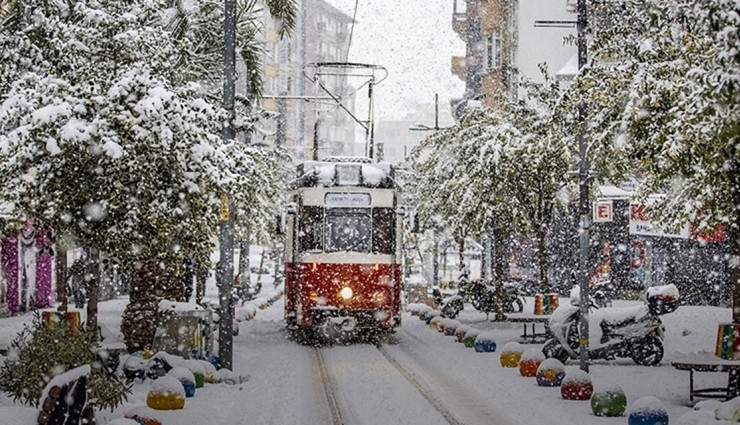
[351,30]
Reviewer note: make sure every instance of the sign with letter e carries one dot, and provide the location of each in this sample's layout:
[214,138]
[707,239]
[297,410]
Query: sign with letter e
[603,211]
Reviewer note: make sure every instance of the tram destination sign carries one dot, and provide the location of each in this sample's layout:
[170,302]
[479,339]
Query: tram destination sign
[348,199]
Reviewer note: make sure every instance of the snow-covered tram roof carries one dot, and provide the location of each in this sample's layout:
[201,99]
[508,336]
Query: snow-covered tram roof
[344,172]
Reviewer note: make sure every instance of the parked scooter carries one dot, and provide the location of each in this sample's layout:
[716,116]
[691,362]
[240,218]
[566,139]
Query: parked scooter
[635,332]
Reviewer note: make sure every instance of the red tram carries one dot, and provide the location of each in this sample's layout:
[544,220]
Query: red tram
[343,233]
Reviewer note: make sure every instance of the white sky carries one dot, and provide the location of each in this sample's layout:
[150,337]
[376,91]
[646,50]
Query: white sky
[414,40]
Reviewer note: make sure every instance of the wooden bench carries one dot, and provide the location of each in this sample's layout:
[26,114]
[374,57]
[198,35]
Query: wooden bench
[708,362]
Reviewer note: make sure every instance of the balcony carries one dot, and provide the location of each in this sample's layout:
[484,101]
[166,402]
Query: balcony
[457,66]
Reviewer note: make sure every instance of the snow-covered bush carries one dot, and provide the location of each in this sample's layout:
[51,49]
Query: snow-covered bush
[40,352]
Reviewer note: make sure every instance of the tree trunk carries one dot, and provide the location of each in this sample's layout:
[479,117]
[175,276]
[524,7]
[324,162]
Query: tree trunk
[542,259]
[461,253]
[245,278]
[499,257]
[61,268]
[93,282]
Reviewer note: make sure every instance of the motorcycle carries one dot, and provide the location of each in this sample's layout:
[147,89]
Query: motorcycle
[637,333]
[451,306]
[483,298]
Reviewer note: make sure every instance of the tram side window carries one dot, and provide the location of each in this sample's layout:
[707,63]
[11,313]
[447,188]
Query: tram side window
[311,228]
[384,231]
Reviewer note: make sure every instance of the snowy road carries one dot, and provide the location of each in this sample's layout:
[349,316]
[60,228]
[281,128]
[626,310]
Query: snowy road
[356,384]
[418,376]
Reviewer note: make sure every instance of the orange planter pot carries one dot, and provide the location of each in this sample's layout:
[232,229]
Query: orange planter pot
[529,367]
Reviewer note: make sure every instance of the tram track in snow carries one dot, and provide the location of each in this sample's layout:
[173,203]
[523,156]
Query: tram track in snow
[335,413]
[426,393]
[339,415]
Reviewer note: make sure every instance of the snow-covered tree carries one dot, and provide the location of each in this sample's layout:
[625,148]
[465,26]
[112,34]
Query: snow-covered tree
[499,170]
[664,89]
[106,140]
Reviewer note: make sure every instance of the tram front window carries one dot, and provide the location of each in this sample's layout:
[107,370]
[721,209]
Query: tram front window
[348,230]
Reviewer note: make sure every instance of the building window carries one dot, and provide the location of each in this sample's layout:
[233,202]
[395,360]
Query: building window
[493,50]
[460,7]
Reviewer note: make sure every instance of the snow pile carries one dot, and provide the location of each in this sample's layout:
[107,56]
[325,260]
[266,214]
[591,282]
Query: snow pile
[729,410]
[512,347]
[167,385]
[194,366]
[648,404]
[551,364]
[180,307]
[123,421]
[576,376]
[248,310]
[533,354]
[181,373]
[65,378]
[417,308]
[487,336]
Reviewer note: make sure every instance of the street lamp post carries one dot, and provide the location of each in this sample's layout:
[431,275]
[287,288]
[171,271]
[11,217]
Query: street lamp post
[584,205]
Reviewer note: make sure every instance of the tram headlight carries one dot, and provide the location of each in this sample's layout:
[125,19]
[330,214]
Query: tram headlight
[346,293]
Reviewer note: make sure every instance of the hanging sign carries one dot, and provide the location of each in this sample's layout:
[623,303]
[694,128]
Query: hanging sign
[603,211]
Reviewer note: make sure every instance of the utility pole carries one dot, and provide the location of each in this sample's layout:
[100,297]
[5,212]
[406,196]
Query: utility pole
[584,205]
[226,272]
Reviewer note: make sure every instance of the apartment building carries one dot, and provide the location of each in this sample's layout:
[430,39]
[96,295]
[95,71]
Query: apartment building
[508,39]
[297,110]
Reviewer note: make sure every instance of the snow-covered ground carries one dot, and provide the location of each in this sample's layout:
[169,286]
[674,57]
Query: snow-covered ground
[418,376]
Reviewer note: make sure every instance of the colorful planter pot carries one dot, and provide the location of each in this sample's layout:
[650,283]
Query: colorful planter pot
[470,336]
[511,354]
[167,393]
[576,386]
[460,333]
[484,343]
[609,402]
[530,362]
[648,411]
[550,373]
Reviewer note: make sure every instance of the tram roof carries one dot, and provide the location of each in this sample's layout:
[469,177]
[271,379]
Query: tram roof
[344,171]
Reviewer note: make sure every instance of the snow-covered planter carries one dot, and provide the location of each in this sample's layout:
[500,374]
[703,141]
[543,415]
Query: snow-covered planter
[166,393]
[417,308]
[485,342]
[609,401]
[245,312]
[186,378]
[429,315]
[198,370]
[211,374]
[530,362]
[728,410]
[142,415]
[451,326]
[648,411]
[550,373]
[460,332]
[511,354]
[436,322]
[470,337]
[576,385]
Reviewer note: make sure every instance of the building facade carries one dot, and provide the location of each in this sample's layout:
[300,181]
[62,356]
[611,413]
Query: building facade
[507,40]
[299,111]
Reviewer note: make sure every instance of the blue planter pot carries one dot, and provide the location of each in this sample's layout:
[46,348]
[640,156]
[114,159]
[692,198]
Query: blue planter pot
[485,346]
[651,417]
